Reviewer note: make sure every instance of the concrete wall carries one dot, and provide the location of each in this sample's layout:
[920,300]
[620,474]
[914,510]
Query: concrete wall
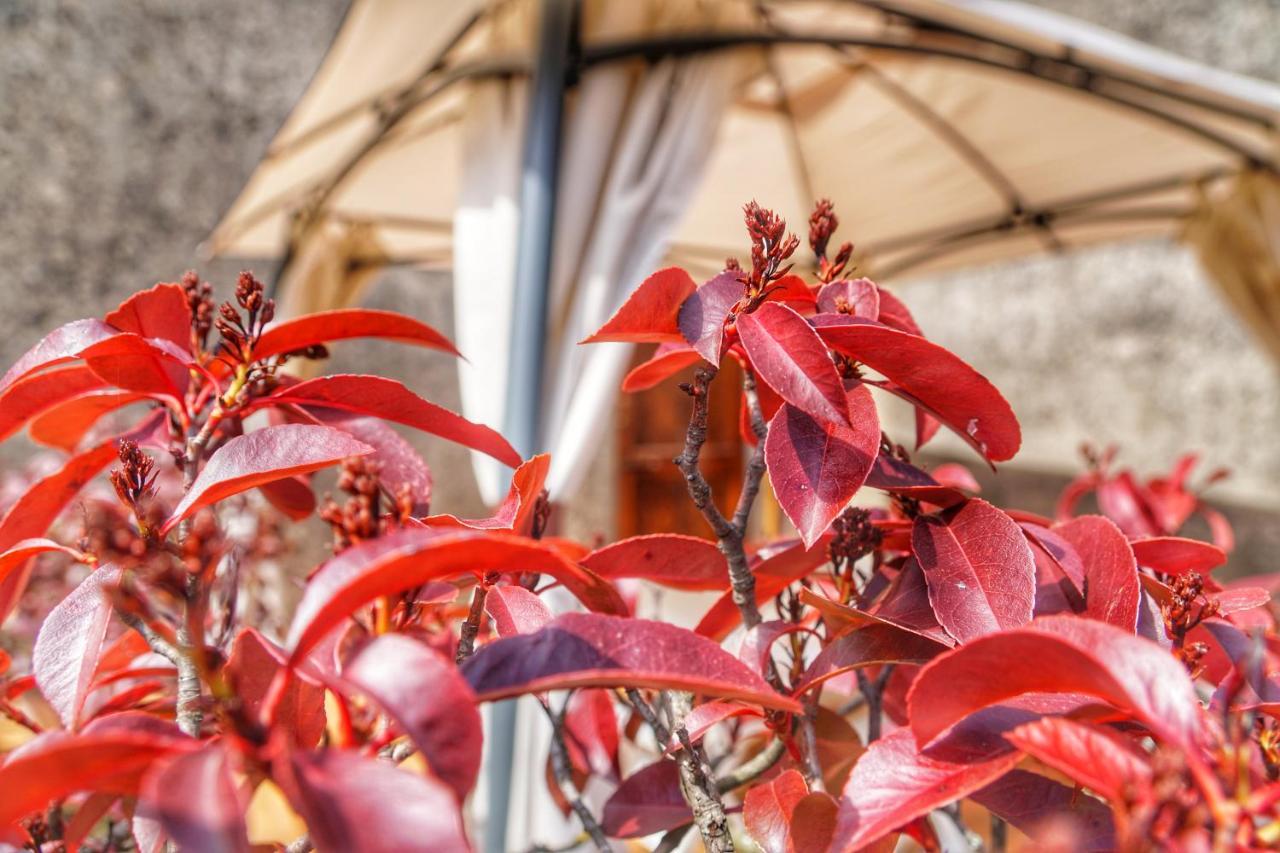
[126,128]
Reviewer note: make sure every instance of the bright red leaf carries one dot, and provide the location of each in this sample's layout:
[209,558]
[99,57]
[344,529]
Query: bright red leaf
[515,610]
[1094,757]
[251,669]
[400,465]
[518,508]
[130,362]
[1174,555]
[650,312]
[788,355]
[65,425]
[31,395]
[17,556]
[1111,587]
[667,361]
[61,345]
[868,646]
[161,312]
[670,559]
[767,810]
[345,323]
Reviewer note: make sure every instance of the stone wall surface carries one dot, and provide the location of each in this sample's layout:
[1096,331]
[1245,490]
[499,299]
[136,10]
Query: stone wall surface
[127,127]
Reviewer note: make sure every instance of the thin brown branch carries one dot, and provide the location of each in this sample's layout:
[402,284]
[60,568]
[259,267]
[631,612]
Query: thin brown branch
[809,738]
[563,774]
[754,768]
[471,627]
[873,693]
[755,466]
[698,784]
[155,641]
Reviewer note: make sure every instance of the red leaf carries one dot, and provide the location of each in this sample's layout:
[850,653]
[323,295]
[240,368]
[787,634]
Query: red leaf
[596,650]
[108,755]
[591,733]
[251,668]
[843,618]
[345,323]
[894,783]
[429,700]
[61,345]
[859,297]
[1097,758]
[1173,555]
[18,555]
[144,365]
[930,376]
[650,312]
[767,810]
[1121,500]
[516,512]
[1058,654]
[670,559]
[197,802]
[906,604]
[1054,815]
[789,356]
[904,479]
[391,401]
[30,396]
[1240,598]
[409,558]
[291,495]
[779,568]
[702,316]
[980,572]
[646,802]
[813,823]
[363,805]
[868,646]
[707,716]
[401,465]
[65,425]
[70,640]
[667,361]
[259,457]
[514,610]
[1112,591]
[792,291]
[816,468]
[161,312]
[894,313]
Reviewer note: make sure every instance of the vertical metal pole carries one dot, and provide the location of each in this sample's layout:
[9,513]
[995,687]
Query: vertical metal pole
[529,324]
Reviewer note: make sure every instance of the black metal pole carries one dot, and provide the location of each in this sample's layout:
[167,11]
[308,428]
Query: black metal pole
[538,176]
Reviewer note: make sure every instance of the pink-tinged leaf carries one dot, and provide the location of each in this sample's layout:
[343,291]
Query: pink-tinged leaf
[346,323]
[927,427]
[928,375]
[1240,598]
[895,314]
[859,297]
[956,476]
[1094,757]
[1173,555]
[596,650]
[109,755]
[409,558]
[1058,654]
[391,401]
[979,569]
[777,570]
[161,312]
[591,733]
[197,802]
[143,365]
[291,495]
[251,668]
[1054,815]
[702,316]
[670,559]
[61,345]
[816,468]
[70,640]
[757,644]
[362,805]
[65,425]
[514,610]
[789,356]
[894,783]
[18,555]
[1111,587]
[31,395]
[518,508]
[1065,558]
[646,802]
[1121,500]
[669,360]
[707,716]
[767,810]
[650,313]
[259,457]
[429,700]
[872,645]
[1220,529]
[400,465]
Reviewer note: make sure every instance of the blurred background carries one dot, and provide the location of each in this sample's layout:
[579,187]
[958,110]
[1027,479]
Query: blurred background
[127,130]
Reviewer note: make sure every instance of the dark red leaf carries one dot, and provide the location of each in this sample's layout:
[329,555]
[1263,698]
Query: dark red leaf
[813,823]
[646,802]
[1111,587]
[429,700]
[779,568]
[515,610]
[650,312]
[196,800]
[400,465]
[66,651]
[345,323]
[667,361]
[596,650]
[670,559]
[291,495]
[843,618]
[906,480]
[161,312]
[391,401]
[979,569]
[1054,815]
[65,425]
[409,558]
[930,376]
[767,810]
[261,456]
[61,345]
[1173,555]
[1097,758]
[251,668]
[517,510]
[871,645]
[1058,654]
[705,717]
[789,356]
[859,297]
[701,318]
[363,805]
[144,365]
[31,395]
[816,468]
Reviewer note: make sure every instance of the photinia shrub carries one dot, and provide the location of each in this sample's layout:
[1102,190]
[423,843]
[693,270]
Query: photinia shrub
[927,665]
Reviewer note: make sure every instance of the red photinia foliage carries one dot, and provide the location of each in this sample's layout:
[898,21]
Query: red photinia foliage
[1083,679]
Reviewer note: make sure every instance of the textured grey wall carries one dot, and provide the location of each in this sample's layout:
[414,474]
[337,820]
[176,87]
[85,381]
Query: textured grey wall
[126,128]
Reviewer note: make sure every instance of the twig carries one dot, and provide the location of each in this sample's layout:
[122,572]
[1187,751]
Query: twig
[699,787]
[155,641]
[999,835]
[564,780]
[873,692]
[812,766]
[301,844]
[646,712]
[189,715]
[753,769]
[471,627]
